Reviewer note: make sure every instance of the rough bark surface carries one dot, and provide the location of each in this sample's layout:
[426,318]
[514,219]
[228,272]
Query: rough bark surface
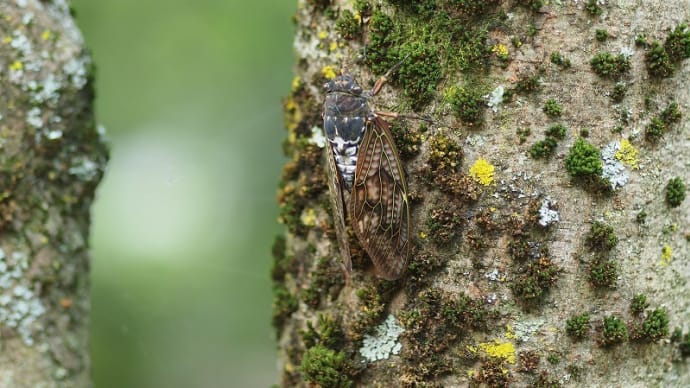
[52,156]
[504,251]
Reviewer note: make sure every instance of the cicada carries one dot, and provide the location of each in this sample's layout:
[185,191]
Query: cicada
[366,178]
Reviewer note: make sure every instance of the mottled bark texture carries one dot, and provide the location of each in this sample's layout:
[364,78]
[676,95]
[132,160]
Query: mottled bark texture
[52,157]
[548,250]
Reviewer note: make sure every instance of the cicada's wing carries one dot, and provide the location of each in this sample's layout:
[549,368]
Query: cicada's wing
[337,194]
[379,209]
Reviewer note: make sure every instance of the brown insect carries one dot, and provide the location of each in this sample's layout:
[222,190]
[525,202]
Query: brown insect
[366,178]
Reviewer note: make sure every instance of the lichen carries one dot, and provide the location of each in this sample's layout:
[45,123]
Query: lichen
[482,171]
[384,342]
[20,305]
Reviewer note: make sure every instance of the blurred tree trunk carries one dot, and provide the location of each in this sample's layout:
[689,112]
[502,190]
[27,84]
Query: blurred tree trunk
[504,251]
[51,159]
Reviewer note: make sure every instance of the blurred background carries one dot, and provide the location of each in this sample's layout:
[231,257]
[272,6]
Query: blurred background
[189,92]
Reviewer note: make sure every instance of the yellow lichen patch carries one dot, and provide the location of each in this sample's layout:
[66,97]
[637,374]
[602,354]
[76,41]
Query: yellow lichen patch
[500,50]
[8,39]
[293,114]
[422,235]
[666,255]
[296,83]
[323,35]
[308,217]
[46,35]
[333,46]
[497,349]
[483,172]
[627,154]
[16,65]
[510,333]
[328,72]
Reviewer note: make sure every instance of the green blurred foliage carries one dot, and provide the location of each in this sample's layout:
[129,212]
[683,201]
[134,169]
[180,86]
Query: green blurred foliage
[189,93]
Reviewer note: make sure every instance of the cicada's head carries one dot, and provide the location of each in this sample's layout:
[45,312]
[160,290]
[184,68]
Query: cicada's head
[343,83]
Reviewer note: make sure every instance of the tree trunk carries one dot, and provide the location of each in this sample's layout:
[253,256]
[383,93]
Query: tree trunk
[52,156]
[550,240]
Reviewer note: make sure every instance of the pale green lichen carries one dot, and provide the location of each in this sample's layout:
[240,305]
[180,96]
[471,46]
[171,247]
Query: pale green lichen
[384,342]
[20,307]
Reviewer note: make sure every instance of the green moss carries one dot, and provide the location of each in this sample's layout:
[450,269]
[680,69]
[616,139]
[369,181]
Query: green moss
[619,91]
[560,60]
[468,105]
[638,303]
[658,61]
[522,134]
[325,367]
[280,261]
[543,149]
[653,328]
[675,192]
[407,139]
[641,40]
[684,345]
[557,131]
[420,73]
[603,272]
[327,333]
[553,358]
[677,43]
[577,326]
[534,281]
[432,36]
[613,331]
[583,160]
[671,114]
[655,130]
[552,108]
[601,35]
[601,237]
[534,5]
[347,25]
[473,8]
[370,311]
[527,84]
[641,217]
[608,65]
[592,7]
[363,7]
[284,304]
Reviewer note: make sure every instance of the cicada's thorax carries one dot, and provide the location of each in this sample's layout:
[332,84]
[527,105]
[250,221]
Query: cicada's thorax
[345,116]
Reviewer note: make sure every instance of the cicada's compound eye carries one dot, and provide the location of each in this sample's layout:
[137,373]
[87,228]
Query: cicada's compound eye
[356,89]
[328,86]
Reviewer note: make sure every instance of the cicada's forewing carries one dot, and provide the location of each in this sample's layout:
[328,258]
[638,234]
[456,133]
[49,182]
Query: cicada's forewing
[337,195]
[379,209]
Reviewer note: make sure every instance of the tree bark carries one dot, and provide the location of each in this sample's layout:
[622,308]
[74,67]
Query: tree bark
[516,235]
[52,157]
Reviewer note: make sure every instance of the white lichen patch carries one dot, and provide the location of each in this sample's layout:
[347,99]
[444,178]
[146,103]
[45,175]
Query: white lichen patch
[84,168]
[547,215]
[384,342]
[317,137]
[33,118]
[614,170]
[495,98]
[20,306]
